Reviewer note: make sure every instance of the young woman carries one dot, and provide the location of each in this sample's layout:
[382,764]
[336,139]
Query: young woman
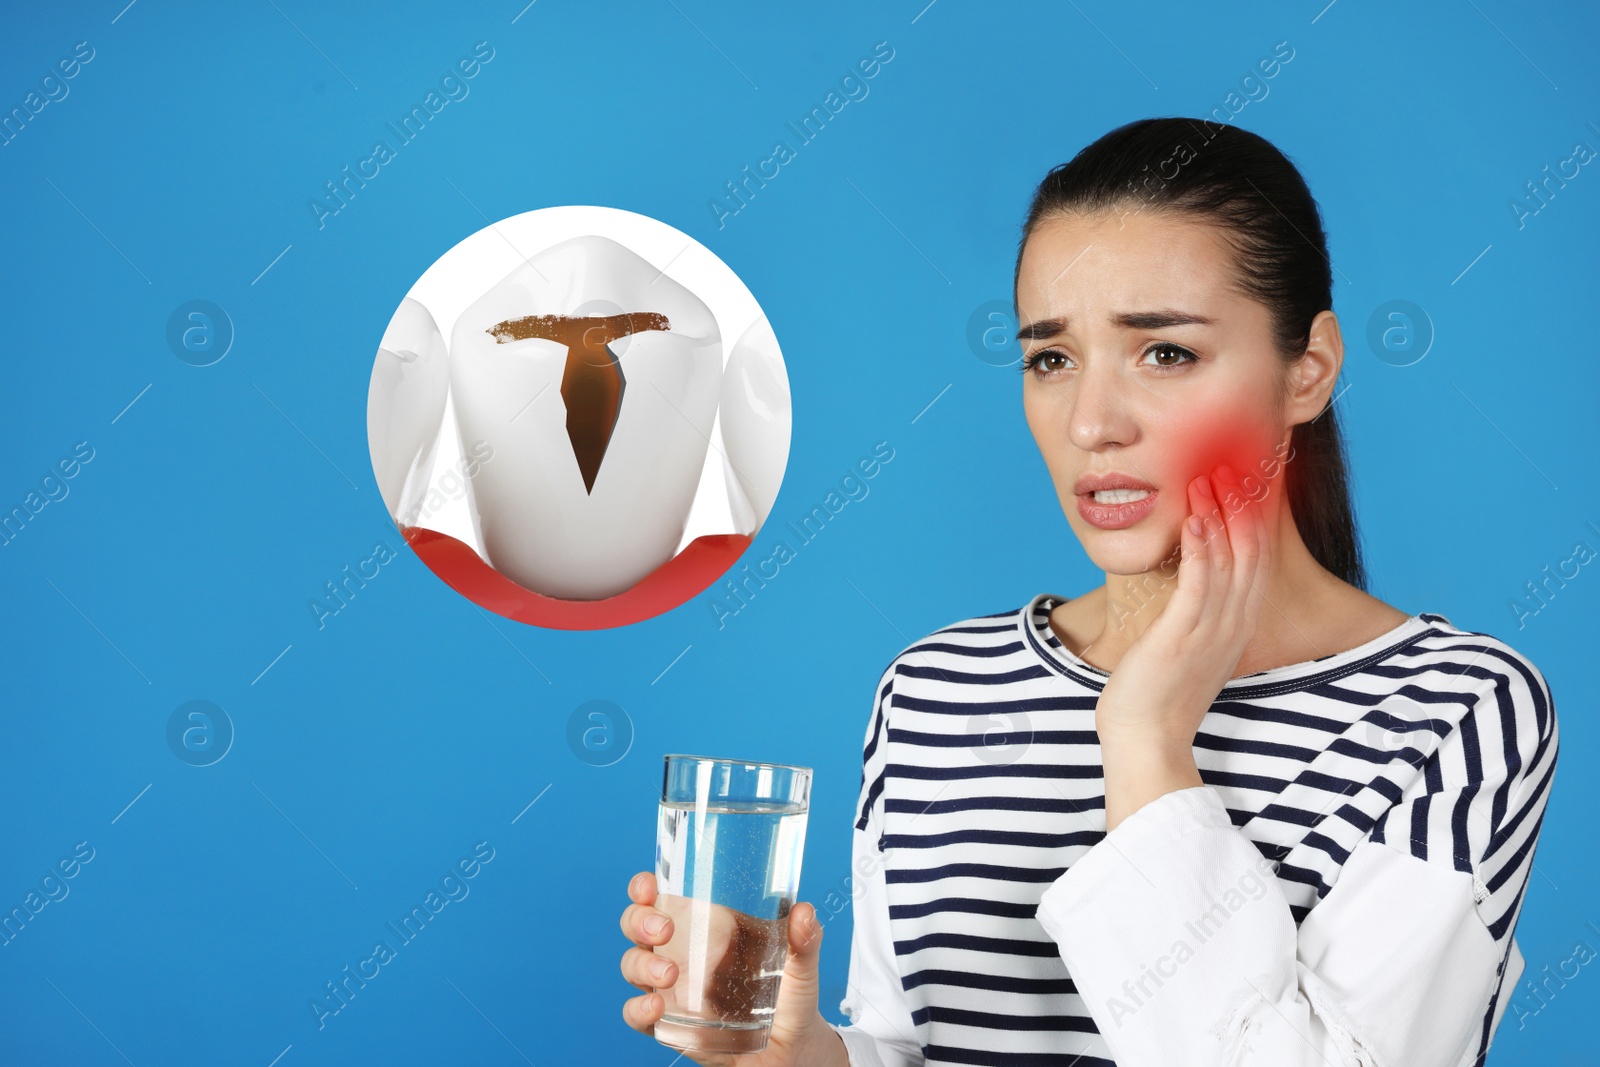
[1227,808]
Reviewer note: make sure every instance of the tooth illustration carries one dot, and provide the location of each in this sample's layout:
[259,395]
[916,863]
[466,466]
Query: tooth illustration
[756,423]
[595,379]
[405,406]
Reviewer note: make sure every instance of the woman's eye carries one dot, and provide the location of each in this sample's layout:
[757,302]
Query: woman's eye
[1169,355]
[1046,362]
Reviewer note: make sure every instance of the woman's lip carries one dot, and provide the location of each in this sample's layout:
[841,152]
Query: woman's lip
[1114,516]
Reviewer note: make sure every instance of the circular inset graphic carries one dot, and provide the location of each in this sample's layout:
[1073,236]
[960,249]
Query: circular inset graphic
[599,733]
[1399,332]
[199,332]
[199,732]
[579,417]
[992,333]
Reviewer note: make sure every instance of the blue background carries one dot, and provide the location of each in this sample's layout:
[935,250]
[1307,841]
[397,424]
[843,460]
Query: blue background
[374,753]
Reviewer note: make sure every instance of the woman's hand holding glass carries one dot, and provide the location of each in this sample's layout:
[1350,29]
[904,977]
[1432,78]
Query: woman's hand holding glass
[800,1036]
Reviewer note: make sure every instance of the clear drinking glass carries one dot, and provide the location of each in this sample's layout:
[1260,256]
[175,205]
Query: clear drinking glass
[729,841]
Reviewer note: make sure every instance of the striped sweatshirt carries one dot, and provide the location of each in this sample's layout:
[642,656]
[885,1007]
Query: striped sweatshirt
[1343,888]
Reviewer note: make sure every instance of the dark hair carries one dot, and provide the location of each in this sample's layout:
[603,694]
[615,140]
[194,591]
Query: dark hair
[1241,183]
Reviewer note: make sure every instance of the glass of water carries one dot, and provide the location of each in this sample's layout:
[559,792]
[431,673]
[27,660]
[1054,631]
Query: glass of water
[729,840]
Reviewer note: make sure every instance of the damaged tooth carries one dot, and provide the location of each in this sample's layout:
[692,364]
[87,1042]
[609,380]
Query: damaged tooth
[594,377]
[405,406]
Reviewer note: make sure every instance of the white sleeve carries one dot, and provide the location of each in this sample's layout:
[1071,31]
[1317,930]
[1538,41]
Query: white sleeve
[881,1031]
[1185,951]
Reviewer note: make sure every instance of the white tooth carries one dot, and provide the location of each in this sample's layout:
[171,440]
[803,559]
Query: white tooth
[756,423]
[540,526]
[405,404]
[1119,496]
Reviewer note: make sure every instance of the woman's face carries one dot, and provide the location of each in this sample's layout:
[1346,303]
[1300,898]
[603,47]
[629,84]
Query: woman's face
[1143,368]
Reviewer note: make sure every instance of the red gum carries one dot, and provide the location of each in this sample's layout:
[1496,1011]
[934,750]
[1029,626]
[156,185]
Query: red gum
[685,575]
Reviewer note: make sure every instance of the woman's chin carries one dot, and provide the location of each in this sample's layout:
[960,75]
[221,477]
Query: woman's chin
[1129,551]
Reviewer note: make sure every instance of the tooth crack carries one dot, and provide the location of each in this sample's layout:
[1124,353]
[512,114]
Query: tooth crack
[592,331]
[592,383]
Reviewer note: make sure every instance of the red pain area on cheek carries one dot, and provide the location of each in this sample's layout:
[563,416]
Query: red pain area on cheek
[1247,444]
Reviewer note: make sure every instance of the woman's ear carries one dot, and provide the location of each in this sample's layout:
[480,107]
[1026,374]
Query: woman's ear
[1312,376]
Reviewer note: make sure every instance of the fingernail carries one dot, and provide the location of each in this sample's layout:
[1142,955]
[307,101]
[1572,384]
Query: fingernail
[1195,526]
[658,969]
[1205,487]
[1226,473]
[655,924]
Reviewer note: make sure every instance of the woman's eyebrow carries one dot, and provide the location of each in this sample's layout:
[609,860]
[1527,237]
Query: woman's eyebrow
[1039,331]
[1128,320]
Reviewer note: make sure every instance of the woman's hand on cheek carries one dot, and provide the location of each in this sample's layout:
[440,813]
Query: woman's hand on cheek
[1164,684]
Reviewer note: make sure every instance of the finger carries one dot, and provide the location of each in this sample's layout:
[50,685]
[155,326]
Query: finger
[1194,568]
[646,926]
[647,970]
[1203,509]
[643,1012]
[642,888]
[1214,531]
[799,990]
[1218,546]
[805,936]
[1243,539]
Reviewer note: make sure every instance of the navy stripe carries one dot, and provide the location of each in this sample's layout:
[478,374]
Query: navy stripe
[974,870]
[967,905]
[995,946]
[985,1058]
[996,628]
[1255,746]
[995,983]
[995,737]
[1022,674]
[985,836]
[1016,706]
[1015,770]
[992,1021]
[975,651]
[1034,804]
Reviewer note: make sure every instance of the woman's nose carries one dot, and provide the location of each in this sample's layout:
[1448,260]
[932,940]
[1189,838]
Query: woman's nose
[1100,415]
